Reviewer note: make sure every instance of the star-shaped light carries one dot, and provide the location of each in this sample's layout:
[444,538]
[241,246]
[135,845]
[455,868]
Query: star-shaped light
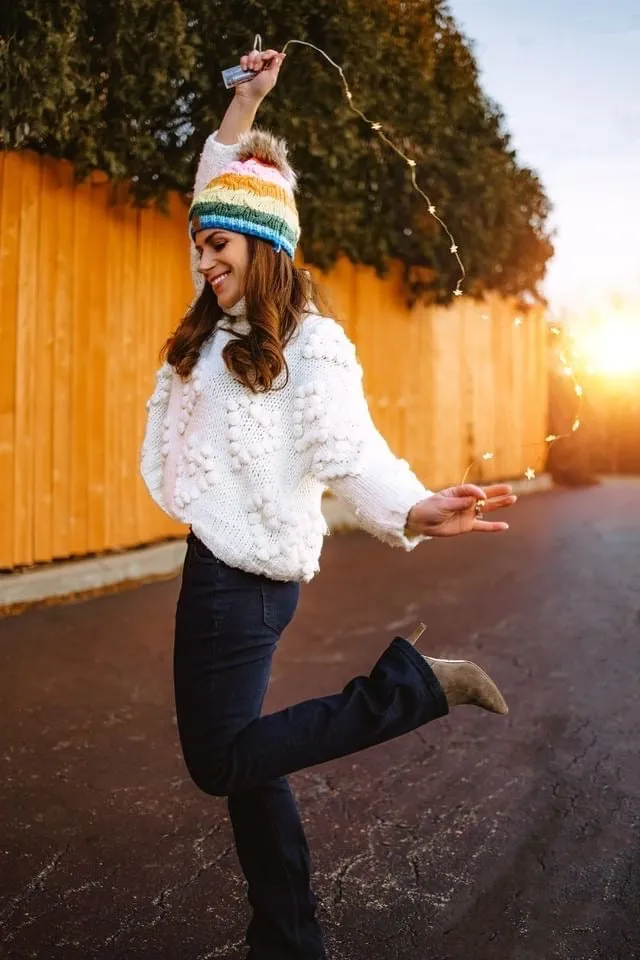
[530,473]
[376,126]
[550,438]
[487,456]
[457,292]
[453,248]
[517,322]
[432,209]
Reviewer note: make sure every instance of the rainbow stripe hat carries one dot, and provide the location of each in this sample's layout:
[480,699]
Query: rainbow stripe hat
[254,194]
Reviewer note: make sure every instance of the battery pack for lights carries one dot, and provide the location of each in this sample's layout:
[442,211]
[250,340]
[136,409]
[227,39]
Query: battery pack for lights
[232,76]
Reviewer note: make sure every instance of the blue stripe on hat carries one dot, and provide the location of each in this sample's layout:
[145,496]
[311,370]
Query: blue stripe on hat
[213,221]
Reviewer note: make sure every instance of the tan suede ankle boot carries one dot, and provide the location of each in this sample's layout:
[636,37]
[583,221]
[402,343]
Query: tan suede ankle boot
[464,682]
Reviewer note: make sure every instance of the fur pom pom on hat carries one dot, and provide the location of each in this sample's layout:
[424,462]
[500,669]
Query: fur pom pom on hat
[254,194]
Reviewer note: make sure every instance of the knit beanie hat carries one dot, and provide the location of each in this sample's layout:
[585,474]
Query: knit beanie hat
[253,195]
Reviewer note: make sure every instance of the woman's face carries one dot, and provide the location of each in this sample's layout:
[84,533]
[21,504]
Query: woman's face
[224,258]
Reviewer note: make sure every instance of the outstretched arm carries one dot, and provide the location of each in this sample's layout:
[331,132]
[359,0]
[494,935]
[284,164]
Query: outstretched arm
[351,457]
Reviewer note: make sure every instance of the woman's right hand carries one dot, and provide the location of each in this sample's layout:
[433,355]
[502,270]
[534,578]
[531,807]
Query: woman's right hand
[267,66]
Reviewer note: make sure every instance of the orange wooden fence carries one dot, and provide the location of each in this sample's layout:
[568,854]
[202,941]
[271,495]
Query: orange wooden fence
[89,290]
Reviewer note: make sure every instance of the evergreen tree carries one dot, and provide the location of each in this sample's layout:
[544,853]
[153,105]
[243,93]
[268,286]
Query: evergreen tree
[132,87]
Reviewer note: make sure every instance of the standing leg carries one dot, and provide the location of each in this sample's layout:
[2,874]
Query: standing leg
[227,627]
[274,856]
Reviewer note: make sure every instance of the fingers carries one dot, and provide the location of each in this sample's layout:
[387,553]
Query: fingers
[265,60]
[498,490]
[275,63]
[468,490]
[495,496]
[488,526]
[498,503]
[482,493]
[458,504]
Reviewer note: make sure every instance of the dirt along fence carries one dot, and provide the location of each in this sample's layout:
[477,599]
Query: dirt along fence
[89,289]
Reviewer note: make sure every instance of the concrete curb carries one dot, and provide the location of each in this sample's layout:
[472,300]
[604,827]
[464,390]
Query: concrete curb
[75,579]
[72,578]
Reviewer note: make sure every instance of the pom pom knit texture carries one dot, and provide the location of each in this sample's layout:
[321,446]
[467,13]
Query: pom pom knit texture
[247,471]
[252,194]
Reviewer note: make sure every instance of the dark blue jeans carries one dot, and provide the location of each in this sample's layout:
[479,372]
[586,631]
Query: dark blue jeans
[228,623]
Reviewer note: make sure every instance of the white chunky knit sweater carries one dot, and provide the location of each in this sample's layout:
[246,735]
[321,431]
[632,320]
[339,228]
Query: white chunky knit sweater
[247,471]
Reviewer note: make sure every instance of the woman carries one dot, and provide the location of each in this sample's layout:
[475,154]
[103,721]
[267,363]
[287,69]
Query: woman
[258,408]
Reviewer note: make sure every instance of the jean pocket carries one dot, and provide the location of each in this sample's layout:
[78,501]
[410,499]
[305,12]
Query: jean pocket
[200,551]
[279,603]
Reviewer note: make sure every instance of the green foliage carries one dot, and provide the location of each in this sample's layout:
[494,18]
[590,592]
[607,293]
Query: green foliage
[132,87]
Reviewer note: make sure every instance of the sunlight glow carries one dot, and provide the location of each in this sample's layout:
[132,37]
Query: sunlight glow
[611,346]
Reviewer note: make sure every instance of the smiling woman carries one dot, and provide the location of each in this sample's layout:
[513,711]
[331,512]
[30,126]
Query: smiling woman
[243,456]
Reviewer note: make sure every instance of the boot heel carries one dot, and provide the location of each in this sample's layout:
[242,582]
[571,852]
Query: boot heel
[417,633]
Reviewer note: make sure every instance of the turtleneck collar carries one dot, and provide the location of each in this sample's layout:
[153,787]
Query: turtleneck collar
[238,310]
[236,317]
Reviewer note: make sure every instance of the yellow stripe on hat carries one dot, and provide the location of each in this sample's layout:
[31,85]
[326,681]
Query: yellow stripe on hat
[264,188]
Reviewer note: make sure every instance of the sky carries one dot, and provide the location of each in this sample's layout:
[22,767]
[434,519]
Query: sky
[566,73]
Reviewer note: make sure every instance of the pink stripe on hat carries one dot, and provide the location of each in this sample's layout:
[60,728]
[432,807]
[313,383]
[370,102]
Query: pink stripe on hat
[262,171]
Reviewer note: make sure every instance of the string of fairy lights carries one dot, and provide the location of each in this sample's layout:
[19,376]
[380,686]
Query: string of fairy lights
[377,127]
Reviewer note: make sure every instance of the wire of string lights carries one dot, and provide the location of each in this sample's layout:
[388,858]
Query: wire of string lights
[237,75]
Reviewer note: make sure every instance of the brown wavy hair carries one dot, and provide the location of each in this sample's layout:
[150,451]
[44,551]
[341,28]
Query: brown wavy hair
[277,295]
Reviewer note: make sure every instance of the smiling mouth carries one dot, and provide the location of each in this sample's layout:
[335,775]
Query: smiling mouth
[219,280]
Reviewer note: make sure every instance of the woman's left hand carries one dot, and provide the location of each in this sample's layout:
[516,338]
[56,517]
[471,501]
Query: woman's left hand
[453,511]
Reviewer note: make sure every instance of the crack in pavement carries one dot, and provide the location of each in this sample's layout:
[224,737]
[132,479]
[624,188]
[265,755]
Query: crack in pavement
[161,901]
[35,885]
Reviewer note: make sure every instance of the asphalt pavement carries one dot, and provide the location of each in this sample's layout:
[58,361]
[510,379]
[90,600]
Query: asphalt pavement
[475,838]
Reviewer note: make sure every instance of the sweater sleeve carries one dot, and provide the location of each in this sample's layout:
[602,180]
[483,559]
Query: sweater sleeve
[153,450]
[213,158]
[348,453]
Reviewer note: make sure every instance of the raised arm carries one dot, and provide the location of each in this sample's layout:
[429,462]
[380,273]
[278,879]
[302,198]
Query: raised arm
[219,148]
[248,96]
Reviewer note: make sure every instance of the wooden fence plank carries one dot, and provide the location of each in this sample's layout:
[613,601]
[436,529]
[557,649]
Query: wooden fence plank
[96,346]
[26,347]
[44,321]
[130,318]
[145,296]
[10,200]
[83,262]
[112,394]
[62,452]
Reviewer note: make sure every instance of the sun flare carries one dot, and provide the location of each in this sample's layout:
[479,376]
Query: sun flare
[611,346]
